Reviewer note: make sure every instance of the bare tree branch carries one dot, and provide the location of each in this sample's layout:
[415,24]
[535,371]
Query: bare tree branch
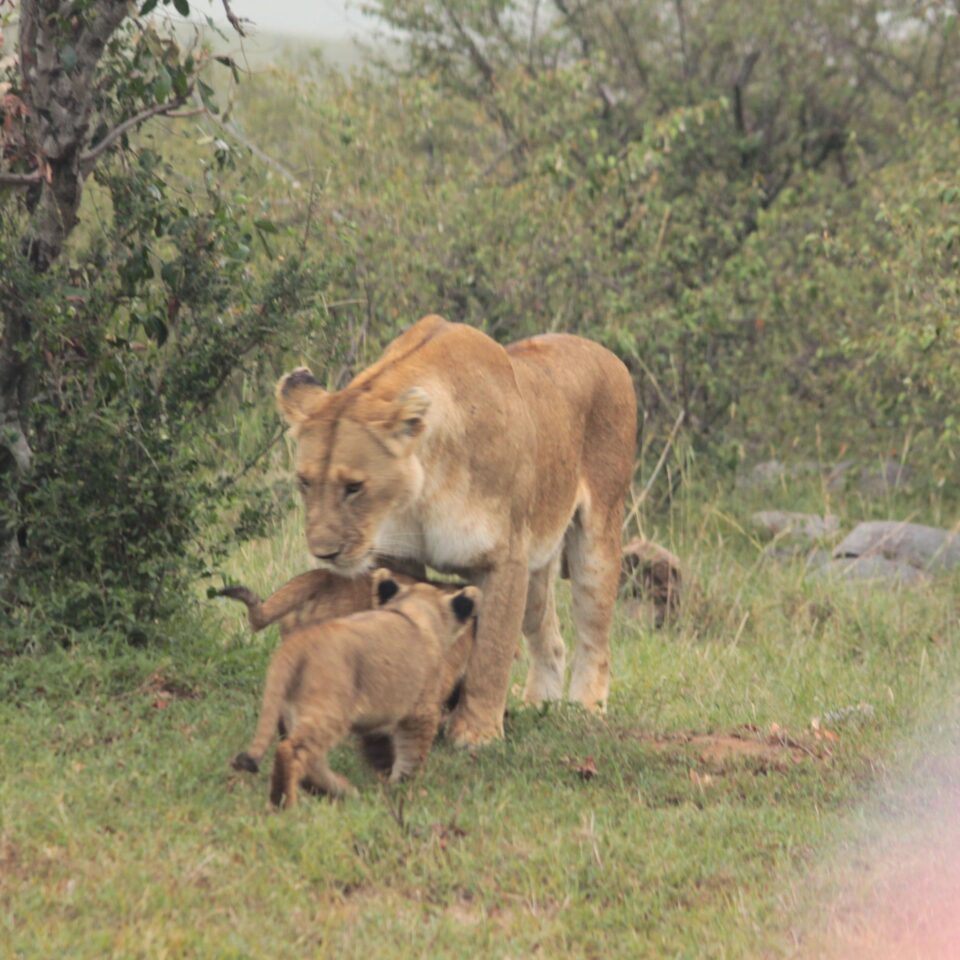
[476,54]
[739,85]
[682,35]
[258,152]
[89,158]
[235,21]
[20,179]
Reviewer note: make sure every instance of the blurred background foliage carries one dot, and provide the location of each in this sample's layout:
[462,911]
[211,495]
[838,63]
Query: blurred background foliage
[755,204]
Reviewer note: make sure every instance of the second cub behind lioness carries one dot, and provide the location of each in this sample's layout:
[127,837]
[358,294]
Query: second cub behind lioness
[377,672]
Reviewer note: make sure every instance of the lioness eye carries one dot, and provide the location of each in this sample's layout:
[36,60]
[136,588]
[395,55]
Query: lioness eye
[303,482]
[352,488]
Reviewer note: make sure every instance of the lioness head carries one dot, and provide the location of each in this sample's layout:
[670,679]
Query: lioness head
[356,463]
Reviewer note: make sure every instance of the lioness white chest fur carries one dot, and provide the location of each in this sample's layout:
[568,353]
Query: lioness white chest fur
[487,462]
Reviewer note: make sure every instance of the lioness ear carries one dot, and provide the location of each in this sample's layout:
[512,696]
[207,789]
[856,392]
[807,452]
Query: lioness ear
[385,588]
[298,396]
[464,604]
[411,407]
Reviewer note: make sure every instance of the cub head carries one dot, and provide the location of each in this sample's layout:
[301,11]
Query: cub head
[457,606]
[356,463]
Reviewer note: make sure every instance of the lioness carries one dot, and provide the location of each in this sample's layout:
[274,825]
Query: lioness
[376,672]
[488,462]
[318,595]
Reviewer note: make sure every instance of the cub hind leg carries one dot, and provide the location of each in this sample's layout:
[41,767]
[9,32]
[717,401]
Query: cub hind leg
[412,741]
[320,738]
[288,770]
[333,784]
[303,758]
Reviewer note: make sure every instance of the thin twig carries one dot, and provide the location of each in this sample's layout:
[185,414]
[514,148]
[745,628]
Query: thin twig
[260,154]
[235,21]
[648,486]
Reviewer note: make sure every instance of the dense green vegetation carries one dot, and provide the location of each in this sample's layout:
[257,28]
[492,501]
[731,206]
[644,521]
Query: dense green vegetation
[756,205]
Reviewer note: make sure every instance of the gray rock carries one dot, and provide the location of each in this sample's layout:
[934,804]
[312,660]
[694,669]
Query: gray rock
[836,477]
[871,568]
[816,559]
[808,526]
[766,474]
[883,478]
[928,548]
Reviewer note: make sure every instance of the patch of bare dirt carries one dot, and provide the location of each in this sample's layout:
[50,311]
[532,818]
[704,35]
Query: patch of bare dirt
[163,690]
[773,750]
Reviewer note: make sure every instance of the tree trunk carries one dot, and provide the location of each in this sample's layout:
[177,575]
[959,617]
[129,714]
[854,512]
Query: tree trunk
[59,52]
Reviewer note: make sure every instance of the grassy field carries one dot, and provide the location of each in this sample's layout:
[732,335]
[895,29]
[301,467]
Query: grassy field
[703,817]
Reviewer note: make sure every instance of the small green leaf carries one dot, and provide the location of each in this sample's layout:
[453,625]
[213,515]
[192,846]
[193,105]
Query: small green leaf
[206,95]
[162,85]
[183,7]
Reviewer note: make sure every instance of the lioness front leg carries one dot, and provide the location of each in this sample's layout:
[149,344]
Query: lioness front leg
[478,717]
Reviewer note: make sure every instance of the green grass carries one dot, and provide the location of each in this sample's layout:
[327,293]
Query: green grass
[125,834]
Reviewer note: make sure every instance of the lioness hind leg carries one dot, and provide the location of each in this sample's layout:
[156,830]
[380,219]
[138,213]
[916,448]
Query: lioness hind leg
[411,743]
[544,642]
[593,554]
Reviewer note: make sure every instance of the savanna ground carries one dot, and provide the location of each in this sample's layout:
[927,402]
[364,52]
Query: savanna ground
[705,816]
[754,204]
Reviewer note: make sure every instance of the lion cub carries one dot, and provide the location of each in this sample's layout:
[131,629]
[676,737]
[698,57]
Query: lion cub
[377,672]
[319,595]
[310,597]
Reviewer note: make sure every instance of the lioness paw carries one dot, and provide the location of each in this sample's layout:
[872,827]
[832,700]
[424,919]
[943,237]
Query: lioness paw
[469,734]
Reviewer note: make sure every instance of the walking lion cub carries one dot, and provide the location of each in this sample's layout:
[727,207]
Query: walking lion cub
[379,672]
[318,595]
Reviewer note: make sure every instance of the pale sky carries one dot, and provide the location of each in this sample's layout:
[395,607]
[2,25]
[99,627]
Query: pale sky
[329,19]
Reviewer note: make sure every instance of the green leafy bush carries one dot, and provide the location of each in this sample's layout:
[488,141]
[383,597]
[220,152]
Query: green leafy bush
[147,329]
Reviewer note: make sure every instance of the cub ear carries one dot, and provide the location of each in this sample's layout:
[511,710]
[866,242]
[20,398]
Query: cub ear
[464,603]
[409,412]
[385,588]
[299,395]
